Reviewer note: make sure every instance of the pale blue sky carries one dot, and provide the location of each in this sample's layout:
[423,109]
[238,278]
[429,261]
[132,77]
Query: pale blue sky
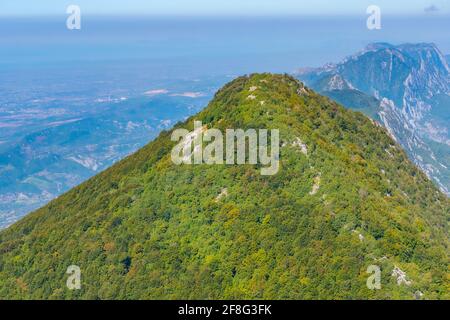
[223,7]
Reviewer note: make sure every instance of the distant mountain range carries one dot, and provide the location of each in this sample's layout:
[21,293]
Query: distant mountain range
[404,87]
[346,198]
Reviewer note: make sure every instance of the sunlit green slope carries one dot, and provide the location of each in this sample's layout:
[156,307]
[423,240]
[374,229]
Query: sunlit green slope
[345,197]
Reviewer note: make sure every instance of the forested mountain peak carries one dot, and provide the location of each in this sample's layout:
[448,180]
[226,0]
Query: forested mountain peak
[345,198]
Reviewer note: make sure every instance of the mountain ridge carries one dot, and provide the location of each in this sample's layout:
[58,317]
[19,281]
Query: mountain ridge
[346,197]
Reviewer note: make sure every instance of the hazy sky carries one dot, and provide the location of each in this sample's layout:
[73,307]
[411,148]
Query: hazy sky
[224,7]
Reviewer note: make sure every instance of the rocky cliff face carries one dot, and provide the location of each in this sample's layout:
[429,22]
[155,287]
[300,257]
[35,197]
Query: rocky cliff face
[412,84]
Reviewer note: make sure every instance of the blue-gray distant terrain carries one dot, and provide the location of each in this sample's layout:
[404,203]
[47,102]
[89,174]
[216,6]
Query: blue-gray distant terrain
[53,144]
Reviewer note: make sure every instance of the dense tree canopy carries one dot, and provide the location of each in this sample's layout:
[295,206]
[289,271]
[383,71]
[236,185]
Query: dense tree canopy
[147,228]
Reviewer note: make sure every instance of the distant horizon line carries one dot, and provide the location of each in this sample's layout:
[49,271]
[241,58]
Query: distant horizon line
[230,15]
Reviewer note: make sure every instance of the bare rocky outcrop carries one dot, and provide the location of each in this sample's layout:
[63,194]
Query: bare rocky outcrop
[401,276]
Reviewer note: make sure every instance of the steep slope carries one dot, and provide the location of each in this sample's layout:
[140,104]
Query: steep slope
[345,197]
[412,83]
[53,158]
[356,100]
